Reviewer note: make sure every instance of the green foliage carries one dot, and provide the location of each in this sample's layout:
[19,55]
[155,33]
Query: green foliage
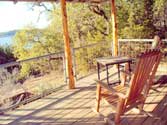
[160,5]
[33,42]
[160,15]
[6,54]
[136,31]
[139,20]
[30,40]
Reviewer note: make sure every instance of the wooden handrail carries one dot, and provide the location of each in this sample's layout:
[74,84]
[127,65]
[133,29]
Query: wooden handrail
[56,55]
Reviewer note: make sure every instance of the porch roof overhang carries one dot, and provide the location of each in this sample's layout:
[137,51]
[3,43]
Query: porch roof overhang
[81,1]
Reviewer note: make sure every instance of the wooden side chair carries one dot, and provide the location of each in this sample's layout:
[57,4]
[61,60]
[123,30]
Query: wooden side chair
[123,98]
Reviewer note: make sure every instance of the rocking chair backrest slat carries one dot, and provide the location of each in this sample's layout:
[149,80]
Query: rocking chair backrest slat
[145,70]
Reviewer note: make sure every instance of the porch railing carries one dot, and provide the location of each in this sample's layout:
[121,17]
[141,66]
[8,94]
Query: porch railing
[85,63]
[47,73]
[132,47]
[27,80]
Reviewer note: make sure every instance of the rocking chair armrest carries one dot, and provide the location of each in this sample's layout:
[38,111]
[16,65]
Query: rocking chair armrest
[112,90]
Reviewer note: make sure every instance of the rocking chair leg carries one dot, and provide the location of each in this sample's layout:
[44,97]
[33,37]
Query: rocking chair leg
[97,105]
[117,118]
[124,75]
[120,110]
[140,107]
[98,97]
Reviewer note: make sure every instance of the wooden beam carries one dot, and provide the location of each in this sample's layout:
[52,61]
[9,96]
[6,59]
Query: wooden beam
[67,50]
[75,1]
[114,28]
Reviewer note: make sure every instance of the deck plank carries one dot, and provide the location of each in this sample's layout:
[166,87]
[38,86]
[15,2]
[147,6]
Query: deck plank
[151,103]
[157,111]
[74,107]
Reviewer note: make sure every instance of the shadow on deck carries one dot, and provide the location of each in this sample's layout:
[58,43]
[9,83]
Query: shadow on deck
[65,107]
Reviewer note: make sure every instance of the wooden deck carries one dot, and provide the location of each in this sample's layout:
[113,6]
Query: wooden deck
[74,107]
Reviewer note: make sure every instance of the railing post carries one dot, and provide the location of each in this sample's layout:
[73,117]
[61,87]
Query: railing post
[119,53]
[74,63]
[112,49]
[64,68]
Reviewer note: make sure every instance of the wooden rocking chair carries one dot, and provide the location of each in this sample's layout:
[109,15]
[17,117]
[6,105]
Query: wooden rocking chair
[124,98]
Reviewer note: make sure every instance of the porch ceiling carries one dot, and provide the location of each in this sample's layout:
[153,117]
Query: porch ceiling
[82,1]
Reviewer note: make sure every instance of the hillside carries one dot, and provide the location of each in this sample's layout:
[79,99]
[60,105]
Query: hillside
[9,33]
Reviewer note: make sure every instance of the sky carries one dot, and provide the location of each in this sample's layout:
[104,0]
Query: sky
[17,16]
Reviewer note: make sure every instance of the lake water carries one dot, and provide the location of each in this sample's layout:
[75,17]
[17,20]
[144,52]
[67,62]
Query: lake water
[5,41]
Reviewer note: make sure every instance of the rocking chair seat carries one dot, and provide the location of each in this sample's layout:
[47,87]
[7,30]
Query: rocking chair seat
[112,98]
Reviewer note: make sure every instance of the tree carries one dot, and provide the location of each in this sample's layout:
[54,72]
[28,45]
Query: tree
[32,42]
[160,15]
[140,20]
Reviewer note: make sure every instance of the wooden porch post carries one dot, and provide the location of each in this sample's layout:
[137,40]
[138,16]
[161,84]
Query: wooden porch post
[114,28]
[67,50]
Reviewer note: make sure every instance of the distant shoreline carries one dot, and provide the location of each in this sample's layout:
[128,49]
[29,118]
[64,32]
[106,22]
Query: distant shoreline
[8,33]
[6,37]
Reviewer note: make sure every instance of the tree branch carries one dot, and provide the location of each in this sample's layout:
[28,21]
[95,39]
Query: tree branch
[99,11]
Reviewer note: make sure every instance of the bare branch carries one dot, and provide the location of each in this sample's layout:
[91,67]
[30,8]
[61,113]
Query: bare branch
[99,11]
